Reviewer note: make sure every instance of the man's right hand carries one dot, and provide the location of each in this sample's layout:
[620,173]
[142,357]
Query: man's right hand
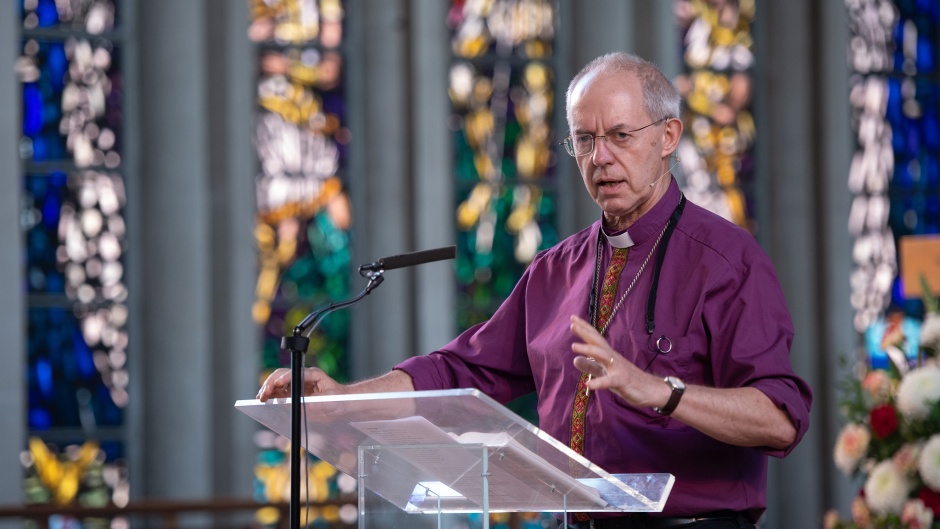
[316,382]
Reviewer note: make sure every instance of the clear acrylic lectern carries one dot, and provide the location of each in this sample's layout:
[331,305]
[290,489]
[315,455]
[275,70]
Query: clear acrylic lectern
[453,451]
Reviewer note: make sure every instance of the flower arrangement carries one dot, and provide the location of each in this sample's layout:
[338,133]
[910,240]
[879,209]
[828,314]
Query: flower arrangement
[892,434]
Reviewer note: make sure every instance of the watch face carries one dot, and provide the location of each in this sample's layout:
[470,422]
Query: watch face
[676,383]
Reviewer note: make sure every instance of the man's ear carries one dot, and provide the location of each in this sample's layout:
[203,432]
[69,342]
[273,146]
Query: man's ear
[672,131]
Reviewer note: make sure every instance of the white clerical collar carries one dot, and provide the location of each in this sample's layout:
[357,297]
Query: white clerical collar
[621,240]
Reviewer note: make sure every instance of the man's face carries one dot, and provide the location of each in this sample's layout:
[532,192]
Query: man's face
[620,169]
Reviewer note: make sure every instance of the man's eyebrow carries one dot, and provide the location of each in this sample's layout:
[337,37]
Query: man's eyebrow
[615,128]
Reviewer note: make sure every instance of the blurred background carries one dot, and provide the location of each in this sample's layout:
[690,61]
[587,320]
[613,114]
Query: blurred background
[187,179]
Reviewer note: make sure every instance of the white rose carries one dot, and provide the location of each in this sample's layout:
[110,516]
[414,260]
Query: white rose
[919,389]
[930,331]
[928,464]
[886,489]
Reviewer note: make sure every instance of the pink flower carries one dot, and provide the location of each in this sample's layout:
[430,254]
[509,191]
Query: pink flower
[905,459]
[861,515]
[831,519]
[893,334]
[877,384]
[916,515]
[851,446]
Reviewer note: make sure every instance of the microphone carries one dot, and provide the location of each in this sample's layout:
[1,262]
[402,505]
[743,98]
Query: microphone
[671,167]
[411,259]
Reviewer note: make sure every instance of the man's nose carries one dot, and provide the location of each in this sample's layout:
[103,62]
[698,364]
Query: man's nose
[601,154]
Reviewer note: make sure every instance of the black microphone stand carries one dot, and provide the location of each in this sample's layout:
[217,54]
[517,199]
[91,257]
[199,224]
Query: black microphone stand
[297,345]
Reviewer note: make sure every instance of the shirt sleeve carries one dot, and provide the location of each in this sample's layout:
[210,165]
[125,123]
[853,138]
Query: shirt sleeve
[752,333]
[490,356]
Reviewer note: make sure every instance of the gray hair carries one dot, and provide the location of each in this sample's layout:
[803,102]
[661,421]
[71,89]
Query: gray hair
[660,98]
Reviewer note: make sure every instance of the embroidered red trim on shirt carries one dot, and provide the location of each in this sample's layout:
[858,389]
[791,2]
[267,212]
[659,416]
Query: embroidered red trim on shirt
[608,293]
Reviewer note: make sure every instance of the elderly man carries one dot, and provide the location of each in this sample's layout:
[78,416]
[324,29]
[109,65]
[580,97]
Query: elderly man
[679,332]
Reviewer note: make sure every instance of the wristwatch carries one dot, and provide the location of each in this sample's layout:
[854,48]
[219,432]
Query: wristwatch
[678,388]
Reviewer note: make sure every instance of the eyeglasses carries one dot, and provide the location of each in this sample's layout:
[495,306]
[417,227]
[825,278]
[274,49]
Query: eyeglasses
[583,144]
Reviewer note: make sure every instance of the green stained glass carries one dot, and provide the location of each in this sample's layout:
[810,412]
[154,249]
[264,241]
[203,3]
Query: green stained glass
[501,91]
[88,473]
[304,215]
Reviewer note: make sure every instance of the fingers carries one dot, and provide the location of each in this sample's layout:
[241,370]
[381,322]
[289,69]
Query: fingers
[277,385]
[594,346]
[591,367]
[595,356]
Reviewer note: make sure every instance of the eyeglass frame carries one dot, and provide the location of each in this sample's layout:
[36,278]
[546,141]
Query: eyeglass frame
[569,144]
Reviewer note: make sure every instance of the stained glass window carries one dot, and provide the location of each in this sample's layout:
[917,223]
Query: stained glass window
[502,92]
[304,215]
[716,150]
[72,217]
[894,172]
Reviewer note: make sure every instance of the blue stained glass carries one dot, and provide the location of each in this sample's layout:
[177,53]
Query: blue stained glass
[929,124]
[83,358]
[902,175]
[912,130]
[931,168]
[930,8]
[47,12]
[113,450]
[55,282]
[894,110]
[48,120]
[32,109]
[44,377]
[44,194]
[106,412]
[39,419]
[58,64]
[51,204]
[925,59]
[58,366]
[932,215]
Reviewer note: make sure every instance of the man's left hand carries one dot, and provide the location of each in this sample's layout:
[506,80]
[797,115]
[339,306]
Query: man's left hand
[611,371]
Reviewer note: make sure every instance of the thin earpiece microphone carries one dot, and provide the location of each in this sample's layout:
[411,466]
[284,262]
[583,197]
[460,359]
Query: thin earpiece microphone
[671,167]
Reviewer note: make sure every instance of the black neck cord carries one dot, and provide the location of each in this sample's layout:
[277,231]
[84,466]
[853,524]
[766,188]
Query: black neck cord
[651,298]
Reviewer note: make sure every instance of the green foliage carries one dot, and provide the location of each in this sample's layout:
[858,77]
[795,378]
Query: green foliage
[930,301]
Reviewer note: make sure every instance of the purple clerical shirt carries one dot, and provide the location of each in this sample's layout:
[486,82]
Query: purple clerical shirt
[719,303]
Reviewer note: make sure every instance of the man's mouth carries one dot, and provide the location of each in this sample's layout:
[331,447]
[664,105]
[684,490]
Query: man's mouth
[608,183]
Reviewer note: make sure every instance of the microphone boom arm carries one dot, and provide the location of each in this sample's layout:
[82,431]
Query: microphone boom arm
[308,324]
